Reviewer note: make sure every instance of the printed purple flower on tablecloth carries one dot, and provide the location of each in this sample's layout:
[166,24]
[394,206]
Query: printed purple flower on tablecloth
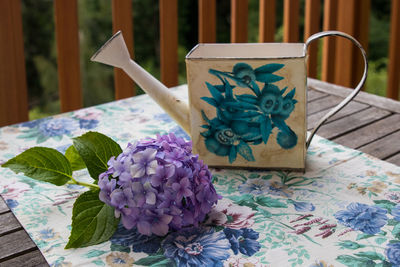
[231,215]
[393,196]
[363,217]
[197,247]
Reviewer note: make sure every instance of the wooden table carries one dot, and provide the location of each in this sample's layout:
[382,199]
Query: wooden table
[370,124]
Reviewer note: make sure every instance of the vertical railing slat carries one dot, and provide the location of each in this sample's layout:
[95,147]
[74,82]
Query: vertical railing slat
[169,42]
[239,21]
[122,20]
[267,17]
[291,21]
[394,53]
[328,48]
[69,78]
[207,21]
[352,19]
[13,89]
[312,25]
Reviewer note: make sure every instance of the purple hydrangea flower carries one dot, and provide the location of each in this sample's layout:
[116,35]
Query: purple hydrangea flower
[156,185]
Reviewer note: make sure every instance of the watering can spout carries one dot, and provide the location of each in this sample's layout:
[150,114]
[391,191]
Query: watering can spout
[115,53]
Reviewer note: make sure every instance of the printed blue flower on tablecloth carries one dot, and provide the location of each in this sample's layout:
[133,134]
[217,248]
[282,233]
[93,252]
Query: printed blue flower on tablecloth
[88,124]
[255,186]
[396,212]
[303,206]
[393,253]
[12,203]
[363,217]
[138,242]
[54,128]
[197,247]
[243,240]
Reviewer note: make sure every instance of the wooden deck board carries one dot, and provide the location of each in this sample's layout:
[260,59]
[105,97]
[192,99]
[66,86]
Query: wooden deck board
[3,206]
[322,104]
[15,243]
[351,108]
[352,122]
[30,259]
[8,223]
[385,148]
[395,159]
[371,132]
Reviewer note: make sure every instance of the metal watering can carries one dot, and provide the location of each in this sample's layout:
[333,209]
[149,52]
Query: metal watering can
[247,102]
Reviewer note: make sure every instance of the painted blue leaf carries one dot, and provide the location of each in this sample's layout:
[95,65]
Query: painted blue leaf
[291,94]
[214,92]
[220,88]
[205,126]
[257,142]
[232,154]
[251,136]
[269,68]
[248,114]
[205,116]
[283,90]
[247,98]
[266,129]
[255,88]
[241,105]
[206,133]
[228,89]
[245,151]
[281,124]
[210,101]
[268,78]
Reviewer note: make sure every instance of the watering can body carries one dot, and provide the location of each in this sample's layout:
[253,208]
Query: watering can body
[247,102]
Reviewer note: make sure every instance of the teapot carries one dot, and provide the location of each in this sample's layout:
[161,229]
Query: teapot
[247,102]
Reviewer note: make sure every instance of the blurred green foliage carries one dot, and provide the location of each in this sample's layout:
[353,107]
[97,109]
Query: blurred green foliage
[95,28]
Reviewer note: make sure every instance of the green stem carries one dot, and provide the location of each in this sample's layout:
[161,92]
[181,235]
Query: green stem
[73,181]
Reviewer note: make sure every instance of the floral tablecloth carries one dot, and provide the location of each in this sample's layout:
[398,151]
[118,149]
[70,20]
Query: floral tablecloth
[345,210]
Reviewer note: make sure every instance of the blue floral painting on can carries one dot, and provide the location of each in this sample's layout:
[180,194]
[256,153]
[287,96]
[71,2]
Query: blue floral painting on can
[245,120]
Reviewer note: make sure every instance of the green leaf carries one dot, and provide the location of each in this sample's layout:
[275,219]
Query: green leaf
[354,261]
[385,204]
[43,164]
[116,247]
[396,231]
[154,260]
[95,253]
[93,221]
[270,202]
[348,244]
[363,236]
[244,200]
[370,255]
[74,159]
[96,149]
[380,240]
[265,213]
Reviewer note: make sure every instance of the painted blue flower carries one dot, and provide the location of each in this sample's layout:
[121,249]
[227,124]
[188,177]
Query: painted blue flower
[303,206]
[164,117]
[88,124]
[222,140]
[12,203]
[179,132]
[243,240]
[138,242]
[197,247]
[396,212]
[392,252]
[358,216]
[32,124]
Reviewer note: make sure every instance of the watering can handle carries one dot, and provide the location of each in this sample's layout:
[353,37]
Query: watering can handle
[355,91]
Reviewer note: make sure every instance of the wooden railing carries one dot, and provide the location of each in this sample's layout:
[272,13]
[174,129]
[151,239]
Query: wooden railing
[340,60]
